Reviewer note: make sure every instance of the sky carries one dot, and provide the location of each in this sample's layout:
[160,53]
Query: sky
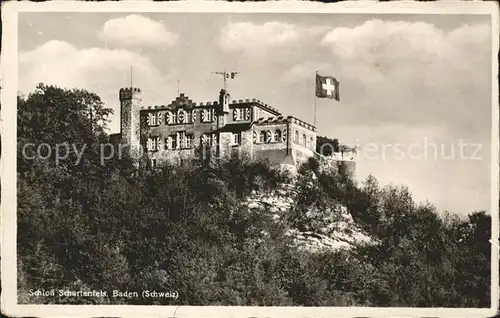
[415,90]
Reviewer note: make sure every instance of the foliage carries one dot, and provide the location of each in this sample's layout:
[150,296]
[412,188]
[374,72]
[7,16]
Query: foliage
[87,225]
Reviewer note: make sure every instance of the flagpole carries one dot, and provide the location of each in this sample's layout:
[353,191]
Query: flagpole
[315,98]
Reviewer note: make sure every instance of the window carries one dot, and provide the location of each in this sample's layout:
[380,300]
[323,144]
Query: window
[153,163]
[311,143]
[182,139]
[241,114]
[207,139]
[171,142]
[277,136]
[185,140]
[153,119]
[193,116]
[189,141]
[296,139]
[181,116]
[236,140]
[214,139]
[175,142]
[207,115]
[169,118]
[153,144]
[303,140]
[204,139]
[262,137]
[283,136]
[269,136]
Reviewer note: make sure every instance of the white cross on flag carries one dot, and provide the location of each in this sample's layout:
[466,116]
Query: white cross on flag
[327,87]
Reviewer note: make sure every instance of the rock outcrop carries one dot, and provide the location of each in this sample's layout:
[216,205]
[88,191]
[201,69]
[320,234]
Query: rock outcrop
[338,230]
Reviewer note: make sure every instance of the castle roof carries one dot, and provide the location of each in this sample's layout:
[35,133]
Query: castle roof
[281,120]
[235,127]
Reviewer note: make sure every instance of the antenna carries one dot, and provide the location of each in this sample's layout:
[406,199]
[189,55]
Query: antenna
[225,75]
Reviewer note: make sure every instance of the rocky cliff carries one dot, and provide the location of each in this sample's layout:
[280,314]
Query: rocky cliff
[335,228]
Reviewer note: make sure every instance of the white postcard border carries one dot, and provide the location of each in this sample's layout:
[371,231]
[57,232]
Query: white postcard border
[9,146]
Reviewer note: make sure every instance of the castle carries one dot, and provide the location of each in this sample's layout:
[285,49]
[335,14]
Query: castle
[245,128]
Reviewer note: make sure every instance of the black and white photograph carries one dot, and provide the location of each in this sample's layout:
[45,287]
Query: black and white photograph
[236,159]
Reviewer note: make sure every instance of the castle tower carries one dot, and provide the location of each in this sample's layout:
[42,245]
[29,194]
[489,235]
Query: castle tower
[223,111]
[224,99]
[130,105]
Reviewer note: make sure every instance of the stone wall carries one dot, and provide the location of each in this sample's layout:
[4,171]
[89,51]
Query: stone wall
[274,151]
[302,149]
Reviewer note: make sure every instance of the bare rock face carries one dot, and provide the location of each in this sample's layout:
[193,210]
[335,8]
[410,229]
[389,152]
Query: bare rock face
[338,230]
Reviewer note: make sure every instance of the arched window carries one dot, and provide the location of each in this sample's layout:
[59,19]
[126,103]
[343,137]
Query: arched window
[296,139]
[283,136]
[311,143]
[269,136]
[262,137]
[303,141]
[277,135]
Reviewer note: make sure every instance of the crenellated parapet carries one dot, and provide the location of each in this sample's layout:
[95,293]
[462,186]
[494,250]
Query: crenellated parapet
[255,102]
[301,123]
[129,93]
[181,101]
[282,120]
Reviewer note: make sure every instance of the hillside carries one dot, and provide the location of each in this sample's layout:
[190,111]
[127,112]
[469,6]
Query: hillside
[227,233]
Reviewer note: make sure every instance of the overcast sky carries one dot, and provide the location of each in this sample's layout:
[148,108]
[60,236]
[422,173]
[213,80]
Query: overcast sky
[415,80]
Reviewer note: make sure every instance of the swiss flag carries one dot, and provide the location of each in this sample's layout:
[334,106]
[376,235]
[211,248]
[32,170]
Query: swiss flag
[327,87]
